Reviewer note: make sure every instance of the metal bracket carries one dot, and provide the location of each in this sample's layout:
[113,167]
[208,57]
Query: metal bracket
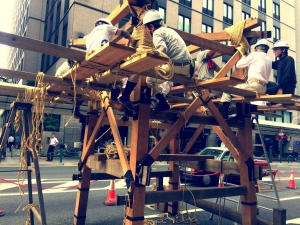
[144,175]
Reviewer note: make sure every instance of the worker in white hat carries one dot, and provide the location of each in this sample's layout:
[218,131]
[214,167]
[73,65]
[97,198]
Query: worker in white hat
[260,66]
[286,72]
[169,42]
[102,34]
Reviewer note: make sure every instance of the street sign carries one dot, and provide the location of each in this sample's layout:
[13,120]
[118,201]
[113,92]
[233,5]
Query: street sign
[298,143]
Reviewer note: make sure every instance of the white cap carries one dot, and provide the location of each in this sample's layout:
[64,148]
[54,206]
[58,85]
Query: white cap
[281,44]
[104,20]
[151,15]
[262,42]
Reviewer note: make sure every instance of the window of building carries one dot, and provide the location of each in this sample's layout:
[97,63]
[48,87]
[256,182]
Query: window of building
[67,2]
[184,24]
[262,5]
[207,7]
[276,34]
[276,11]
[287,117]
[64,35]
[206,28]
[58,14]
[245,15]
[186,2]
[162,13]
[248,2]
[227,14]
[263,26]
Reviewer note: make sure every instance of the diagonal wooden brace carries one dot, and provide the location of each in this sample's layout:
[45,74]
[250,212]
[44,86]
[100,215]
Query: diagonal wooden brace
[181,121]
[193,139]
[115,131]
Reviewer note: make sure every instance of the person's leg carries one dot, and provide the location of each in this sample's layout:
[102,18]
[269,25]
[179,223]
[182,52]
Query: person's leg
[154,83]
[225,99]
[272,88]
[48,153]
[52,153]
[124,98]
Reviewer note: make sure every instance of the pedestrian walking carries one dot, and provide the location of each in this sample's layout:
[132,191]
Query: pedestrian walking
[17,141]
[10,143]
[52,144]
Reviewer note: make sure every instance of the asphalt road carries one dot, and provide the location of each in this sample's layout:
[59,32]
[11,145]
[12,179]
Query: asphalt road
[60,194]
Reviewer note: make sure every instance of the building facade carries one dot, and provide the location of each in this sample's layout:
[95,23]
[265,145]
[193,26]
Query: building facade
[57,21]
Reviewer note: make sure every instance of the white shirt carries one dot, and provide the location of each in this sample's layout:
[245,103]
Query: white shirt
[259,64]
[99,36]
[53,141]
[173,45]
[65,67]
[11,139]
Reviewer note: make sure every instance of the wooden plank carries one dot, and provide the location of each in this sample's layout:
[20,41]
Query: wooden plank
[192,194]
[249,25]
[40,46]
[109,166]
[226,212]
[218,166]
[137,64]
[229,65]
[176,78]
[139,148]
[217,84]
[183,157]
[193,139]
[106,56]
[279,216]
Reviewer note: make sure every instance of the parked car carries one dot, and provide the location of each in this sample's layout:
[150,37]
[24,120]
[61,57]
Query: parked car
[205,178]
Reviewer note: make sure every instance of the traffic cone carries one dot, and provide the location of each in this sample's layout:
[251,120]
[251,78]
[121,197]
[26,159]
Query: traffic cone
[1,213]
[221,178]
[292,184]
[111,198]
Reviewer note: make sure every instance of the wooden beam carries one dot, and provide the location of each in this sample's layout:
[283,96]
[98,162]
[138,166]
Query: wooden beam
[193,139]
[184,118]
[188,195]
[183,157]
[226,212]
[84,184]
[221,36]
[117,138]
[40,46]
[119,13]
[205,43]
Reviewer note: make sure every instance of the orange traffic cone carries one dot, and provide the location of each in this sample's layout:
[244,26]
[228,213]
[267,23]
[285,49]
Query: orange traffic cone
[111,198]
[221,178]
[292,184]
[1,213]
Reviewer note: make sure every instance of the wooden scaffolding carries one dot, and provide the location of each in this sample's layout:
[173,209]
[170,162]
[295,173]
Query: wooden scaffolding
[108,61]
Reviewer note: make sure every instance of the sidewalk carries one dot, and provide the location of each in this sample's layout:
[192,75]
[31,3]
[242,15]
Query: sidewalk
[14,160]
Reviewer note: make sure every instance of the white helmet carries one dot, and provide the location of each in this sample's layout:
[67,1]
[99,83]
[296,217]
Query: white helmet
[281,44]
[262,42]
[102,20]
[150,16]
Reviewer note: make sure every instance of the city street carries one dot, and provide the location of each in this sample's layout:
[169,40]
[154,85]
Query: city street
[60,194]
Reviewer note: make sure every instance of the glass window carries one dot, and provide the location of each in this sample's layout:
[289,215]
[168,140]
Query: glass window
[184,24]
[206,28]
[227,13]
[248,2]
[245,15]
[276,34]
[207,7]
[186,2]
[263,26]
[276,11]
[262,5]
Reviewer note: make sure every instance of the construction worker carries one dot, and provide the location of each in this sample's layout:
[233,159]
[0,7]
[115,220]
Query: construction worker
[259,71]
[286,73]
[102,34]
[169,42]
[65,67]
